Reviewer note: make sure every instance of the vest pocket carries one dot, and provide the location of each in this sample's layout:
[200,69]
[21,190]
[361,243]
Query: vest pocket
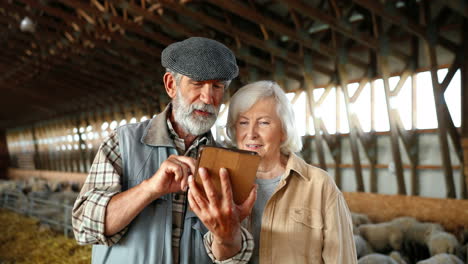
[305,233]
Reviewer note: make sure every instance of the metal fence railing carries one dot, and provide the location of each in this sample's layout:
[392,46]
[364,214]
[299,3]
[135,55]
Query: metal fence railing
[51,209]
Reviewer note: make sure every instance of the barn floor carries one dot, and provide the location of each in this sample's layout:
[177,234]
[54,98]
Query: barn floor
[24,240]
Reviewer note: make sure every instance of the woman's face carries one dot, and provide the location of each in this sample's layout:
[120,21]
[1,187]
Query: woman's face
[259,129]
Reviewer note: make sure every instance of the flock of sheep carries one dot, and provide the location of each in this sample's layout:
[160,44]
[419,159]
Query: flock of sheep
[405,240]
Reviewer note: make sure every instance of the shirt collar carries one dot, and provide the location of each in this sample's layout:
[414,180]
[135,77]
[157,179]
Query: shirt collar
[297,166]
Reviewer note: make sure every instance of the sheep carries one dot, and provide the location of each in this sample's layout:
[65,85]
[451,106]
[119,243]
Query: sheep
[360,219]
[362,246]
[462,252]
[420,232]
[442,242]
[442,258]
[376,258]
[7,186]
[397,257]
[383,236]
[356,231]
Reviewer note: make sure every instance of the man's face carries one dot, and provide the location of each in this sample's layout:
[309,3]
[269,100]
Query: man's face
[197,103]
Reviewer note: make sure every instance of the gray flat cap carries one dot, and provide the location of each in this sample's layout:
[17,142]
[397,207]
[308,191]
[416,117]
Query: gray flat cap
[201,59]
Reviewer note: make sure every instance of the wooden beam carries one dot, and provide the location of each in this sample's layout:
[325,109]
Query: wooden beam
[59,27]
[126,24]
[353,138]
[336,25]
[327,91]
[246,12]
[151,51]
[364,81]
[401,82]
[243,36]
[459,6]
[391,14]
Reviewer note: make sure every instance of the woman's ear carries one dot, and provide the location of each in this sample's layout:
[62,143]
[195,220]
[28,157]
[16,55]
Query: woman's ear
[283,136]
[170,85]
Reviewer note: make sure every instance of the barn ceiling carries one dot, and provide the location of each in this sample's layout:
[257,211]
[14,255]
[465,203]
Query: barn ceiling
[60,57]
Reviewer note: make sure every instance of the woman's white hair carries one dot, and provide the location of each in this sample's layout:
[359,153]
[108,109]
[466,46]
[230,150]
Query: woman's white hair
[248,95]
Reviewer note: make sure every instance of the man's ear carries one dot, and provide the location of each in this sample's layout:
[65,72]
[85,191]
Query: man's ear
[170,85]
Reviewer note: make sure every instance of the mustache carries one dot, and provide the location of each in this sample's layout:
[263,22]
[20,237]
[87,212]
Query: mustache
[203,107]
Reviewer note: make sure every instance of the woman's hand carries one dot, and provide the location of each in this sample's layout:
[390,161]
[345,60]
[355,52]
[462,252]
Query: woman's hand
[219,213]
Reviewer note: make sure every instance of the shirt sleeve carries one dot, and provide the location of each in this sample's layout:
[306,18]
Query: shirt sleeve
[242,257]
[338,244]
[102,183]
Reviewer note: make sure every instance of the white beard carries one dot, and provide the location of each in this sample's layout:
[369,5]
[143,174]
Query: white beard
[188,120]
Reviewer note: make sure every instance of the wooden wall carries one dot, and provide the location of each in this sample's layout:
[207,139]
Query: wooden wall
[451,213]
[16,174]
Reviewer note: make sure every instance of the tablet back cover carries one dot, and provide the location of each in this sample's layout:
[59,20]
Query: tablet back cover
[241,165]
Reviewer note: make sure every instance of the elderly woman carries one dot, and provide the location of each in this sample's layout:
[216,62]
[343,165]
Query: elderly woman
[300,216]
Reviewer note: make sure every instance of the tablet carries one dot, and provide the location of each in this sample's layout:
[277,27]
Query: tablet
[242,166]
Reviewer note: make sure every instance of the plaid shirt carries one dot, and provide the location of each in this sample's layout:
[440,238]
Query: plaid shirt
[104,181]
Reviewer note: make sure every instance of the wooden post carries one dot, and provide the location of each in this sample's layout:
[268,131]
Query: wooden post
[442,123]
[373,174]
[4,155]
[309,88]
[353,136]
[37,163]
[395,145]
[464,110]
[81,142]
[414,172]
[334,144]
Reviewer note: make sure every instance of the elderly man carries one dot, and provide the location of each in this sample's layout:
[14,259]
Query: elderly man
[133,205]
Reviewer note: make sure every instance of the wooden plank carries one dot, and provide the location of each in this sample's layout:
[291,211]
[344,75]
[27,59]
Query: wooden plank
[450,213]
[47,174]
[385,166]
